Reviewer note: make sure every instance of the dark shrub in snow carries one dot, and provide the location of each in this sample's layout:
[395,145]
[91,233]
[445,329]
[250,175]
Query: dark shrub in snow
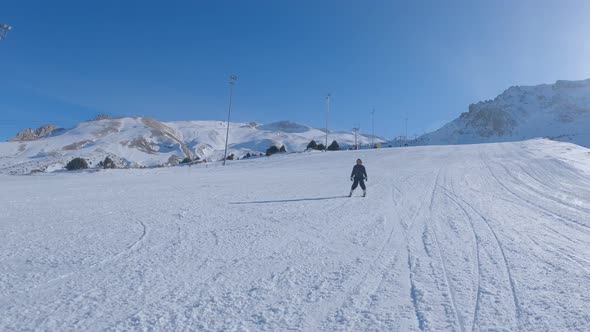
[108,163]
[312,145]
[272,150]
[77,163]
[334,146]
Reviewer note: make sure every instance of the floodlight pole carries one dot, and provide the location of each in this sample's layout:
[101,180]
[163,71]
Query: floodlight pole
[4,28]
[327,118]
[373,128]
[406,136]
[232,80]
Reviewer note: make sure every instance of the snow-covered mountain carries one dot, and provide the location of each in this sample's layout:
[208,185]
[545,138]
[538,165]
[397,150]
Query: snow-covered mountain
[144,141]
[559,111]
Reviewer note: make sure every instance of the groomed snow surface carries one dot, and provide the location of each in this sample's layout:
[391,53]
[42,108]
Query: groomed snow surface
[489,237]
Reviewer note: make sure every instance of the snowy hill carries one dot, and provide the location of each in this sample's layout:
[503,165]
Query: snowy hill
[559,111]
[492,237]
[143,141]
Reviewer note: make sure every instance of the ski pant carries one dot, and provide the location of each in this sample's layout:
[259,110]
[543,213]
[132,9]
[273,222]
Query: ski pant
[358,181]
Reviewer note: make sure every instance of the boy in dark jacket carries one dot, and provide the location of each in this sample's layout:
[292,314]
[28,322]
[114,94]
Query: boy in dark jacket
[358,176]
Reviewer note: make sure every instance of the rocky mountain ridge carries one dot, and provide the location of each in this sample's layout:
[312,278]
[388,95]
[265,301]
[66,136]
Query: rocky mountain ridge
[31,134]
[558,111]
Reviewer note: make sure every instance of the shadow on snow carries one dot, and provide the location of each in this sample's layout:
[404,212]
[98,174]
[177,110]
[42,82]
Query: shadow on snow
[291,200]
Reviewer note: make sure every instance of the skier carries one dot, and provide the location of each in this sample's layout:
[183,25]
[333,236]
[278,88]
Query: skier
[358,176]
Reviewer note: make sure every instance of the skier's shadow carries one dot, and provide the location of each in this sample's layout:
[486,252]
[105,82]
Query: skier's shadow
[291,200]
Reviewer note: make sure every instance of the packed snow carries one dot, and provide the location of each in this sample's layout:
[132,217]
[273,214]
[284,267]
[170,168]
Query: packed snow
[491,237]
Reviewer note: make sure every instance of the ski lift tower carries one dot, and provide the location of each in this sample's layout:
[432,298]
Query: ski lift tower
[4,28]
[356,129]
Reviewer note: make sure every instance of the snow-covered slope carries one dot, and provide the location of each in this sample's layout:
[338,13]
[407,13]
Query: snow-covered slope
[143,141]
[559,111]
[207,138]
[135,141]
[492,237]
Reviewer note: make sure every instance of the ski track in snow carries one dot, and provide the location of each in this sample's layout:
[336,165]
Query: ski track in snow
[488,237]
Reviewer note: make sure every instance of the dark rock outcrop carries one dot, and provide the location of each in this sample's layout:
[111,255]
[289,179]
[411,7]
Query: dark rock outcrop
[102,117]
[30,134]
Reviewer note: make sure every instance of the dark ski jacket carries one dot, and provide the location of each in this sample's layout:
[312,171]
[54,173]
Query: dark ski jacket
[359,172]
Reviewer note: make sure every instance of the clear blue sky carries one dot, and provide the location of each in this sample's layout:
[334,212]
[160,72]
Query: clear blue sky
[66,61]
